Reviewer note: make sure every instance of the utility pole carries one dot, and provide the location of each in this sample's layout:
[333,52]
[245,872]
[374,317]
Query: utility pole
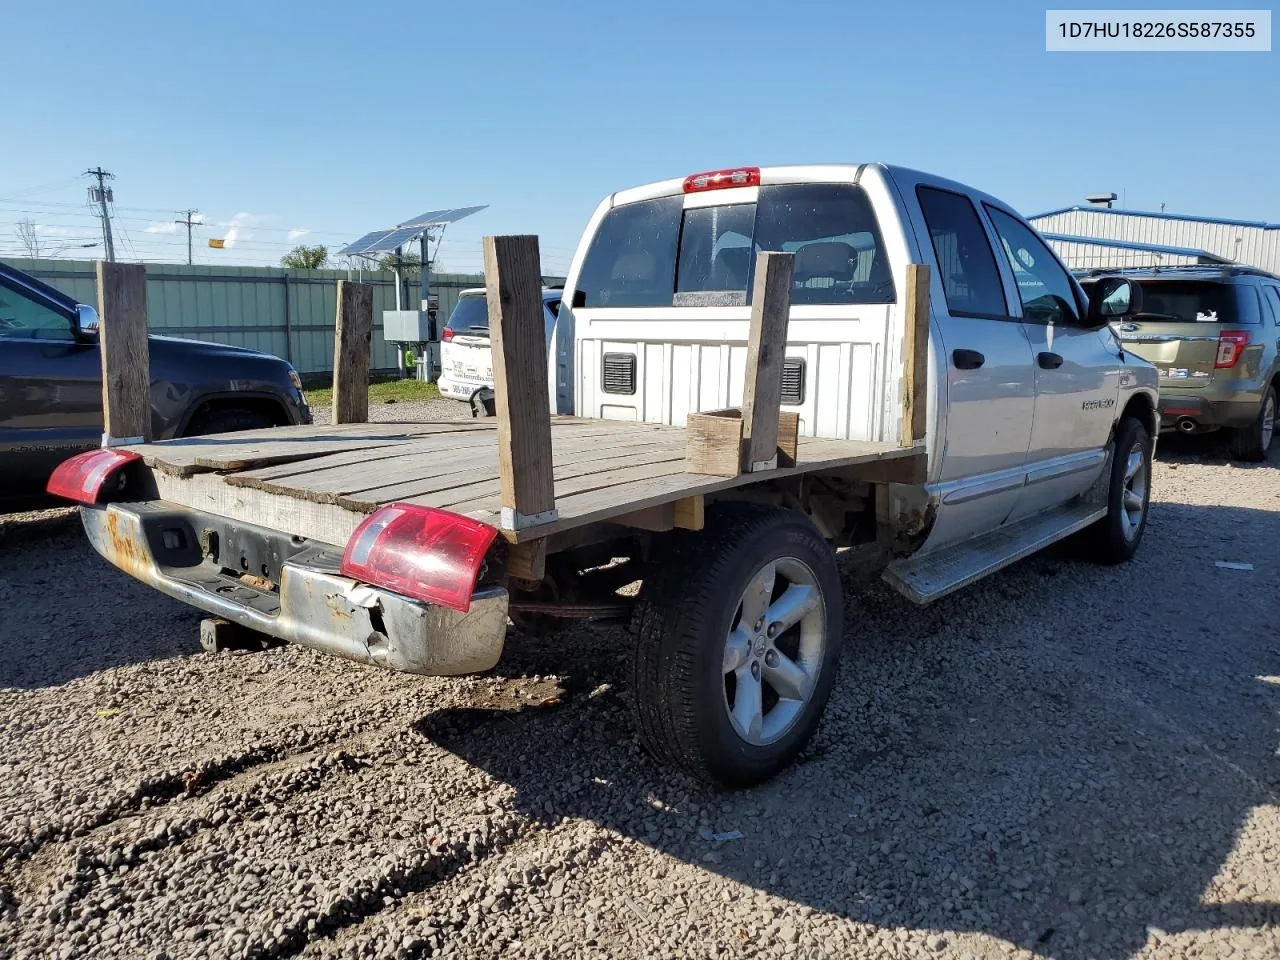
[189,222]
[101,194]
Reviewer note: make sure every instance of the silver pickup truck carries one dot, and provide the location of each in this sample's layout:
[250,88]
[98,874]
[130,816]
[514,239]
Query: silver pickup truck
[956,403]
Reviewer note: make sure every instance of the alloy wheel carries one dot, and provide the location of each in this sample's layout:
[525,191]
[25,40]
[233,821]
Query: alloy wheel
[774,652]
[1134,492]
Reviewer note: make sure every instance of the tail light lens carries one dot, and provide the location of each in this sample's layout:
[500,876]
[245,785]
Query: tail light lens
[430,555]
[722,179]
[446,334]
[1231,344]
[87,476]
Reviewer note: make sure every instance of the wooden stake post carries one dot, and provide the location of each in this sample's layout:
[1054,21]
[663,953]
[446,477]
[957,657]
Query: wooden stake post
[126,359]
[513,285]
[757,436]
[353,335]
[766,347]
[915,355]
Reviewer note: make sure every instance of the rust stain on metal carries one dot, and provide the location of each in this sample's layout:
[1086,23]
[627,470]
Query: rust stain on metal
[912,523]
[261,583]
[338,610]
[126,553]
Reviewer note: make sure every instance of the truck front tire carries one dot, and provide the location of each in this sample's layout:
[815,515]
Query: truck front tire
[1115,538]
[737,637]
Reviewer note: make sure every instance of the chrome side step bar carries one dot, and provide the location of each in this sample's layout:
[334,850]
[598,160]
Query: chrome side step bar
[924,579]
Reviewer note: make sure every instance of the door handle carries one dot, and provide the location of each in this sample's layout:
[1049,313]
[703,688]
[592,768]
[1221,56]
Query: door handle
[967,359]
[1049,361]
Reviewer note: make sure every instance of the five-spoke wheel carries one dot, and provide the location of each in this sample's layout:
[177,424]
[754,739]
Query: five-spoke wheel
[774,652]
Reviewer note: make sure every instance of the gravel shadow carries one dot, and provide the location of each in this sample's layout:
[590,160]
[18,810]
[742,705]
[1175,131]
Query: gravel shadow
[1065,757]
[69,613]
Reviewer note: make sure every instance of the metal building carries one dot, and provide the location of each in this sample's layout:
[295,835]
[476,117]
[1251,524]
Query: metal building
[1099,236]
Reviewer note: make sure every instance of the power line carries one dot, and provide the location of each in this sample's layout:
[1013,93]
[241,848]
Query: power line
[103,195]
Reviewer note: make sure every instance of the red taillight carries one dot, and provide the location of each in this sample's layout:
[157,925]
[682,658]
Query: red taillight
[1231,344]
[85,476]
[446,334]
[721,179]
[427,554]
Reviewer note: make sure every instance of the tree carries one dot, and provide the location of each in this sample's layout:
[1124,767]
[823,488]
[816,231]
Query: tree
[28,234]
[303,257]
[409,261]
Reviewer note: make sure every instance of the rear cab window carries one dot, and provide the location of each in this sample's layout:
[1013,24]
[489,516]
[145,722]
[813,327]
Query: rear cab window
[656,253]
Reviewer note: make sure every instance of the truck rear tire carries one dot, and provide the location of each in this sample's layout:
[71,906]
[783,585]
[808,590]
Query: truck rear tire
[1251,443]
[1115,538]
[737,638]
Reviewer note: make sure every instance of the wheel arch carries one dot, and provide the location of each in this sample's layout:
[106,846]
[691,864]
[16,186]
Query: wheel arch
[1142,407]
[267,404]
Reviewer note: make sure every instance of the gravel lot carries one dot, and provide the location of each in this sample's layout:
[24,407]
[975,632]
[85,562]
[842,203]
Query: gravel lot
[1064,761]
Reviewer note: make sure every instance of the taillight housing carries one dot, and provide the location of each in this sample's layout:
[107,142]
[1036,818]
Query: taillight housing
[1231,344]
[427,554]
[88,477]
[722,179]
[446,334]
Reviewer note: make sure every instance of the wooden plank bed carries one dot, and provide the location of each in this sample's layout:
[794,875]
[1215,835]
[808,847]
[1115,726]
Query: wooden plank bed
[320,482]
[528,473]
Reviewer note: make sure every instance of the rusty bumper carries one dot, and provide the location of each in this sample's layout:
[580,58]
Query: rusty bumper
[302,599]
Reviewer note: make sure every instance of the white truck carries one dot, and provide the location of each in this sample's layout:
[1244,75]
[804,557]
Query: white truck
[397,544]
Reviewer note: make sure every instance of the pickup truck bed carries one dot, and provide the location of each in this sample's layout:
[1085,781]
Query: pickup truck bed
[319,482]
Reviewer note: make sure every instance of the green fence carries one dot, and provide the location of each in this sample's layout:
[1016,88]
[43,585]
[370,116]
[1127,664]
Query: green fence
[286,312]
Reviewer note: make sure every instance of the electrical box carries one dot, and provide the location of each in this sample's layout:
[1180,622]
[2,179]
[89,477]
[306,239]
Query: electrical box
[405,326]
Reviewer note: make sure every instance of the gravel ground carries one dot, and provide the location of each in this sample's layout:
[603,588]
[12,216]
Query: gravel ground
[1063,761]
[439,409]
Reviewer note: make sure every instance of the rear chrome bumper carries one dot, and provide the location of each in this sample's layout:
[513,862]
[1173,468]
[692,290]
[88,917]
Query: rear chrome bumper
[167,547]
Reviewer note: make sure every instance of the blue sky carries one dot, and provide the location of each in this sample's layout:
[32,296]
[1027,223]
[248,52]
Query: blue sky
[336,119]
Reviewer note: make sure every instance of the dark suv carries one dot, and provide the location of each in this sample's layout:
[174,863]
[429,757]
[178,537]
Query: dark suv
[51,386]
[1214,335]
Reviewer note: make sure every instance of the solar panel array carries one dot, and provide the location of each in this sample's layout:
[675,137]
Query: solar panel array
[434,217]
[384,241]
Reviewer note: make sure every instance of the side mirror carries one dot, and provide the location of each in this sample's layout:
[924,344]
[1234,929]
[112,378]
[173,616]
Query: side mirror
[1112,298]
[86,321]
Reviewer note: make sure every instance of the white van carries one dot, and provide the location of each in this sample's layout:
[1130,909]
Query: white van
[466,364]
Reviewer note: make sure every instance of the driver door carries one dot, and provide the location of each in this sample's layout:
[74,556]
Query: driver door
[50,390]
[1077,372]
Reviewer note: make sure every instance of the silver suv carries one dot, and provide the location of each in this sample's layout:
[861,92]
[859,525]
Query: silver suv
[1214,335]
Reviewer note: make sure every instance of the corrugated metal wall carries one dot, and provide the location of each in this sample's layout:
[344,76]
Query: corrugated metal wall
[1257,246]
[286,312]
[1087,256]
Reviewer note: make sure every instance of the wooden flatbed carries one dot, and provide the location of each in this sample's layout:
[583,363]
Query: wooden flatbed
[321,481]
[528,473]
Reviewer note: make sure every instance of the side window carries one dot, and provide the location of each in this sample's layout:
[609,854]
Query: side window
[25,318]
[966,264]
[1272,296]
[1043,285]
[632,260]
